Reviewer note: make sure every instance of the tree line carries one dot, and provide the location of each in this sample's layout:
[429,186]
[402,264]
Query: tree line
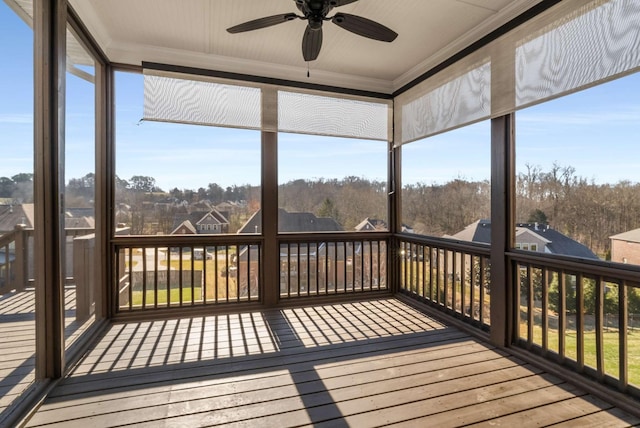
[584,210]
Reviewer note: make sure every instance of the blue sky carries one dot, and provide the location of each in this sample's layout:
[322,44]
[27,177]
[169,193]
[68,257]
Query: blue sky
[596,131]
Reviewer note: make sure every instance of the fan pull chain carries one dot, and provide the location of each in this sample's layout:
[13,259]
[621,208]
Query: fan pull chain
[308,74]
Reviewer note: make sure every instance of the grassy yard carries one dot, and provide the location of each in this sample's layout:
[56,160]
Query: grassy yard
[174,296]
[420,276]
[212,279]
[611,349]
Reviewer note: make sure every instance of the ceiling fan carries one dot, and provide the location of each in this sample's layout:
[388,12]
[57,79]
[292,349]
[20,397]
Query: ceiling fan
[315,12]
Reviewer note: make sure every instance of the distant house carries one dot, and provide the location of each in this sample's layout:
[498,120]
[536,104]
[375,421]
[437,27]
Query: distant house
[293,222]
[625,247]
[199,222]
[529,236]
[15,214]
[371,224]
[79,218]
[374,224]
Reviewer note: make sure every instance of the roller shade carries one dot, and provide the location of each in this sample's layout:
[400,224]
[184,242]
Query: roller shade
[339,117]
[455,103]
[574,45]
[593,44]
[171,99]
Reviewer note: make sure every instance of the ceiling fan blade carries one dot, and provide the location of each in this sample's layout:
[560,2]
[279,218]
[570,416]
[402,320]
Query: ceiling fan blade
[338,3]
[267,21]
[311,43]
[364,27]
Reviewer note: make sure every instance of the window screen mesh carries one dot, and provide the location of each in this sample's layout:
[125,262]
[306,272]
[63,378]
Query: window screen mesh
[593,45]
[169,99]
[457,102]
[338,117]
[571,46]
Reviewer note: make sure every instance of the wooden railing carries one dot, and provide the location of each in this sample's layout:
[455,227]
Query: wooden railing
[17,257]
[13,262]
[158,272]
[582,314]
[576,313]
[166,272]
[324,264]
[449,275]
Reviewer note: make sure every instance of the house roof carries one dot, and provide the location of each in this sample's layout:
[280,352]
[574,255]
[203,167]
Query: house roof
[12,215]
[557,243]
[187,225]
[79,218]
[293,222]
[371,224]
[629,236]
[211,216]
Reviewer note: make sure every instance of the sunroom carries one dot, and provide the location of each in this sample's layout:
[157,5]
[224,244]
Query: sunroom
[427,216]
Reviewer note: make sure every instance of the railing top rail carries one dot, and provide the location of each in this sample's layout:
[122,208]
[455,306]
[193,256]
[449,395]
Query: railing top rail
[606,269]
[333,236]
[183,240]
[446,243]
[71,230]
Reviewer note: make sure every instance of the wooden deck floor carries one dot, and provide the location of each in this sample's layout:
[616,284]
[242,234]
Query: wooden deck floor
[17,340]
[359,364]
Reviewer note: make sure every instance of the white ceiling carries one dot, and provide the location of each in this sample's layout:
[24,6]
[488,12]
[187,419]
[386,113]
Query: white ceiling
[193,33]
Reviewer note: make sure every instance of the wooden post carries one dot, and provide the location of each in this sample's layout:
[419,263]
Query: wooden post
[83,275]
[50,20]
[21,262]
[395,215]
[269,203]
[502,227]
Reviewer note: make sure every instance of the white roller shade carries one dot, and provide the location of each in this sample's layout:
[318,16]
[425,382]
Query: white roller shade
[593,44]
[571,46]
[170,99]
[339,117]
[459,101]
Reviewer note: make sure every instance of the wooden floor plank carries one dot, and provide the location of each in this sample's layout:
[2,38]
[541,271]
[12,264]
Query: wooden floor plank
[552,413]
[613,418]
[357,375]
[400,364]
[354,364]
[17,340]
[254,364]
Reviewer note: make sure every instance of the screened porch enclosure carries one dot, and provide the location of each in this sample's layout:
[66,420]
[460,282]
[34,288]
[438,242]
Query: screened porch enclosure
[263,290]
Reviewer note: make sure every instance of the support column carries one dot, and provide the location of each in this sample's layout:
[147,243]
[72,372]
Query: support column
[395,215]
[269,202]
[502,227]
[105,303]
[50,68]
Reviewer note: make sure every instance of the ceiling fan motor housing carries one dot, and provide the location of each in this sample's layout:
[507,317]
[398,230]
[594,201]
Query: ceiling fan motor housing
[315,13]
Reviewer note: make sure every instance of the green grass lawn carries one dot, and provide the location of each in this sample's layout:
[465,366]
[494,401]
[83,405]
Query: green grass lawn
[610,346]
[213,280]
[174,296]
